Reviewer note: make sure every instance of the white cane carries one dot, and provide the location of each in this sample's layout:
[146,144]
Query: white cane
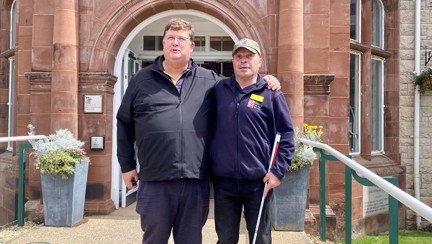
[272,160]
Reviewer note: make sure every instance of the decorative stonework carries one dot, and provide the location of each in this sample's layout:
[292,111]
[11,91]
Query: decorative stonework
[8,53]
[97,82]
[317,84]
[39,81]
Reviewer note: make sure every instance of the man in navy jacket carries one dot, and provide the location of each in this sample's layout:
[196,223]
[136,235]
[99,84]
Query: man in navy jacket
[248,116]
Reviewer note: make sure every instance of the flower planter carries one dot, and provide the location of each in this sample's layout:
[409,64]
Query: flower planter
[289,201]
[63,199]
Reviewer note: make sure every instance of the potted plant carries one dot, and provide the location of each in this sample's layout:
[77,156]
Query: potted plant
[64,168]
[289,201]
[423,80]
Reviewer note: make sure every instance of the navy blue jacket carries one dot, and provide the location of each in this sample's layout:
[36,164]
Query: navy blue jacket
[172,130]
[246,127]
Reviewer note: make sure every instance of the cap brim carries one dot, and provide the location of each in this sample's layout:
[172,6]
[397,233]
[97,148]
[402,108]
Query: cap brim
[248,48]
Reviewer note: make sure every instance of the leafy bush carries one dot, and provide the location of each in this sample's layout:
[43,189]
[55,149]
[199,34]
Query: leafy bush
[58,155]
[304,154]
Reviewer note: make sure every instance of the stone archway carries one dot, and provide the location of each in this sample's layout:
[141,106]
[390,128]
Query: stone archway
[99,74]
[124,20]
[120,86]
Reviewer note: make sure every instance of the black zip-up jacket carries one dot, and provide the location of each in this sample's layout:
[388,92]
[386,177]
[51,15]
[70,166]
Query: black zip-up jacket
[172,130]
[246,126]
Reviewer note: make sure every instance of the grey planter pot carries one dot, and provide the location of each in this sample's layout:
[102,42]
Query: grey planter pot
[63,200]
[289,201]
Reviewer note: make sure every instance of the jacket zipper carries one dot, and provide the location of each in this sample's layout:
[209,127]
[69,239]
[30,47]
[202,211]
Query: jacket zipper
[179,106]
[237,115]
[182,147]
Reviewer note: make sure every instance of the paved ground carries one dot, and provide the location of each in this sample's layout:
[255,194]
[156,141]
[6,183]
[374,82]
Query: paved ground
[122,226]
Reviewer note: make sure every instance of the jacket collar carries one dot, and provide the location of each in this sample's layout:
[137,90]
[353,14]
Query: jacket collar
[258,85]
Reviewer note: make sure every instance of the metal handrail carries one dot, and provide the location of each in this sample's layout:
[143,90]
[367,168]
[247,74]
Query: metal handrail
[417,206]
[22,165]
[23,138]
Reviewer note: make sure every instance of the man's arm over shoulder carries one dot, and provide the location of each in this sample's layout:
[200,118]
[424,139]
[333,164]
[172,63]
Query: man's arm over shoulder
[272,82]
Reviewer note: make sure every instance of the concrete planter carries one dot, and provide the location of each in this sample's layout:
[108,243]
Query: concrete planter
[63,199]
[289,201]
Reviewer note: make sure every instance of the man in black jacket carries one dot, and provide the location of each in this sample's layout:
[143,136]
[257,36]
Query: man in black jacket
[167,112]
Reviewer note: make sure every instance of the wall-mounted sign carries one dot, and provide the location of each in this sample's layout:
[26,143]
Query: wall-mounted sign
[93,104]
[97,142]
[375,201]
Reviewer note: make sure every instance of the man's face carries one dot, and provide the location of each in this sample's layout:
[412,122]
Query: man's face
[177,45]
[246,64]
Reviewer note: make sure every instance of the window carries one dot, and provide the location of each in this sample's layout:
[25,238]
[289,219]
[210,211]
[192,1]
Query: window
[377,24]
[152,43]
[200,44]
[354,113]
[223,69]
[221,43]
[355,20]
[377,105]
[366,97]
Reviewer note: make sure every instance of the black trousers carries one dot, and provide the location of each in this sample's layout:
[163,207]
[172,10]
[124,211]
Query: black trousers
[231,196]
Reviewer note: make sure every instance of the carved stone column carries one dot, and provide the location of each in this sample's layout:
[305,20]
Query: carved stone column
[64,82]
[290,67]
[316,99]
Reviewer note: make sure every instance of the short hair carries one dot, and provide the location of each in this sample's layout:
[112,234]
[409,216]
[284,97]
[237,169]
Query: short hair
[180,24]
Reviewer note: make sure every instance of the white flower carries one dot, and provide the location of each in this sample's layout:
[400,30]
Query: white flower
[58,155]
[304,154]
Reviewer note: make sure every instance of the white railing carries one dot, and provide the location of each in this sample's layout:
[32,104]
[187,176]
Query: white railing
[23,138]
[21,177]
[417,206]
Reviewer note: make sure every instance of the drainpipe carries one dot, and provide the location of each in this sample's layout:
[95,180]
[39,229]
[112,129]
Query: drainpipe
[417,111]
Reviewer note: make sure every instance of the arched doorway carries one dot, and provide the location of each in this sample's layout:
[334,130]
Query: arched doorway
[214,42]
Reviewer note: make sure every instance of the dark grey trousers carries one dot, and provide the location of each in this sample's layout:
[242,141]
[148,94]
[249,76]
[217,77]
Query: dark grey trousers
[180,206]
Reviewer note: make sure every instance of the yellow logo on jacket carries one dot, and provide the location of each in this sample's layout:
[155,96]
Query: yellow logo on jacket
[257,98]
[255,102]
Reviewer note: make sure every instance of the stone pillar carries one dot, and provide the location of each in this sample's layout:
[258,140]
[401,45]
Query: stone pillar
[317,103]
[290,67]
[64,83]
[98,196]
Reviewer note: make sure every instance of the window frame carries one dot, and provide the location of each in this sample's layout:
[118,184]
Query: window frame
[364,48]
[380,92]
[356,123]
[380,24]
[358,23]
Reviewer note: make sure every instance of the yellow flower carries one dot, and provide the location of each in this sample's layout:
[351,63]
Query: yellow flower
[304,154]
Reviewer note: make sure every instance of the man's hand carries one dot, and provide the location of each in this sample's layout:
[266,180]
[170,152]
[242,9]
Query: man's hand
[272,82]
[131,179]
[272,182]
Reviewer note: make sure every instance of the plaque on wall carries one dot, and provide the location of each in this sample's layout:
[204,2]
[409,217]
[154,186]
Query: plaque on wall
[93,104]
[97,142]
[375,201]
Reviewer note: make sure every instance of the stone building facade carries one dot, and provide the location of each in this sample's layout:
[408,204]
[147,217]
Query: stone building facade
[407,105]
[334,70]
